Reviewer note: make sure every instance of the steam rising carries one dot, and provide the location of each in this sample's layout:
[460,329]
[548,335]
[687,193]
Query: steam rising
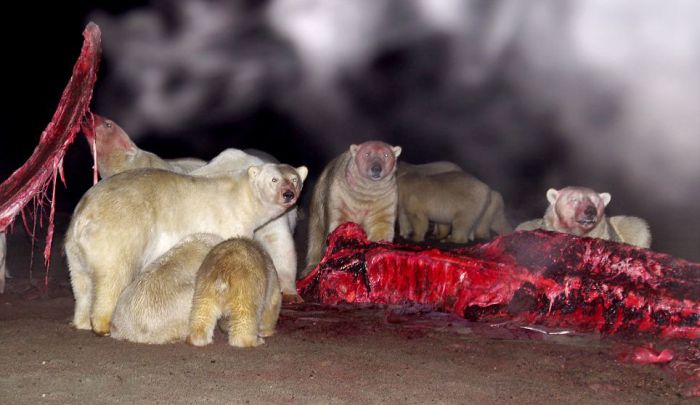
[526,95]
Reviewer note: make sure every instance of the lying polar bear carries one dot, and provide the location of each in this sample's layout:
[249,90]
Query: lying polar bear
[580,211]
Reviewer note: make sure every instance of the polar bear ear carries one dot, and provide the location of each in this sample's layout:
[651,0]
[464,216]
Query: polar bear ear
[396,150]
[552,194]
[303,172]
[353,149]
[253,171]
[606,198]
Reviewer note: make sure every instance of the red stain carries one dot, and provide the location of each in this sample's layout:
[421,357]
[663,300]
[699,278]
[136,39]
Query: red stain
[646,355]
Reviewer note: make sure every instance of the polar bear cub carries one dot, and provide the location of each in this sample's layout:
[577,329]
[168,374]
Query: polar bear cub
[155,307]
[580,211]
[127,220]
[237,280]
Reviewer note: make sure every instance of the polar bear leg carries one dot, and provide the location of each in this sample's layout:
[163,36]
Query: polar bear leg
[205,312]
[82,291]
[442,231]
[404,224]
[243,325]
[276,237]
[109,284]
[463,227]
[271,311]
[419,223]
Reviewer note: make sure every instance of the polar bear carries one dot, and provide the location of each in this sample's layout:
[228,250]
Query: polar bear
[442,193]
[115,153]
[358,186]
[453,198]
[277,235]
[580,211]
[127,220]
[237,280]
[155,307]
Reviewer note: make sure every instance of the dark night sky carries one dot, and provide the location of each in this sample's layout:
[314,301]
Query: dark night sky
[525,95]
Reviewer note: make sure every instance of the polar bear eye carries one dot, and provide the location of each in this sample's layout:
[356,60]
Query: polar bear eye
[275,180]
[108,124]
[386,155]
[367,154]
[294,180]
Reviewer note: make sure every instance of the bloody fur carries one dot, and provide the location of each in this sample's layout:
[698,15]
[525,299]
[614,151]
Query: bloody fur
[32,180]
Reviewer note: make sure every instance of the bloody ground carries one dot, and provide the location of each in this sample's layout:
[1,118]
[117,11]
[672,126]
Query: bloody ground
[319,355]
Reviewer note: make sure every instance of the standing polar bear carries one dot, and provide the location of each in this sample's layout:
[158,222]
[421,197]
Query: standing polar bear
[358,186]
[440,192]
[237,280]
[155,307]
[580,211]
[116,152]
[127,220]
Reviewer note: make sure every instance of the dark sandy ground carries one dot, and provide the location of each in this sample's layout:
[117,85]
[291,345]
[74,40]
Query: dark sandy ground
[319,355]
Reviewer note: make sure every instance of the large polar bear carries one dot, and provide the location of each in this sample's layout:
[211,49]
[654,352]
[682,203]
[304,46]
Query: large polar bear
[126,221]
[237,280]
[116,152]
[358,186]
[458,203]
[155,307]
[580,211]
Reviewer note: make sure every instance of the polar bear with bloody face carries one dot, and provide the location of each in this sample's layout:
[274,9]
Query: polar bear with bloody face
[580,211]
[358,186]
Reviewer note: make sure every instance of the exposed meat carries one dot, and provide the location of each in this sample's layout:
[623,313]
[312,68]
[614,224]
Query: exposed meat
[32,180]
[537,277]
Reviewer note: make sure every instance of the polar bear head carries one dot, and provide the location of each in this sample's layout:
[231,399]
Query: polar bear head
[110,138]
[578,209]
[277,184]
[375,160]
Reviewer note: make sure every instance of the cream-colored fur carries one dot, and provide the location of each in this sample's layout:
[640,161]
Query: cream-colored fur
[580,211]
[453,198]
[117,153]
[459,204]
[236,280]
[125,221]
[3,264]
[358,186]
[155,307]
[427,169]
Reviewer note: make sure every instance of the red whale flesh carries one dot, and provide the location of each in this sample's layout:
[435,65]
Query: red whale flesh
[538,277]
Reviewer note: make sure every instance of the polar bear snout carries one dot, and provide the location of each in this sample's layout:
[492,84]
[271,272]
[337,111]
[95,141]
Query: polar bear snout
[288,197]
[376,170]
[588,217]
[590,212]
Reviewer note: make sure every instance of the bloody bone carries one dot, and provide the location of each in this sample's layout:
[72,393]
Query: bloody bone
[31,181]
[548,278]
